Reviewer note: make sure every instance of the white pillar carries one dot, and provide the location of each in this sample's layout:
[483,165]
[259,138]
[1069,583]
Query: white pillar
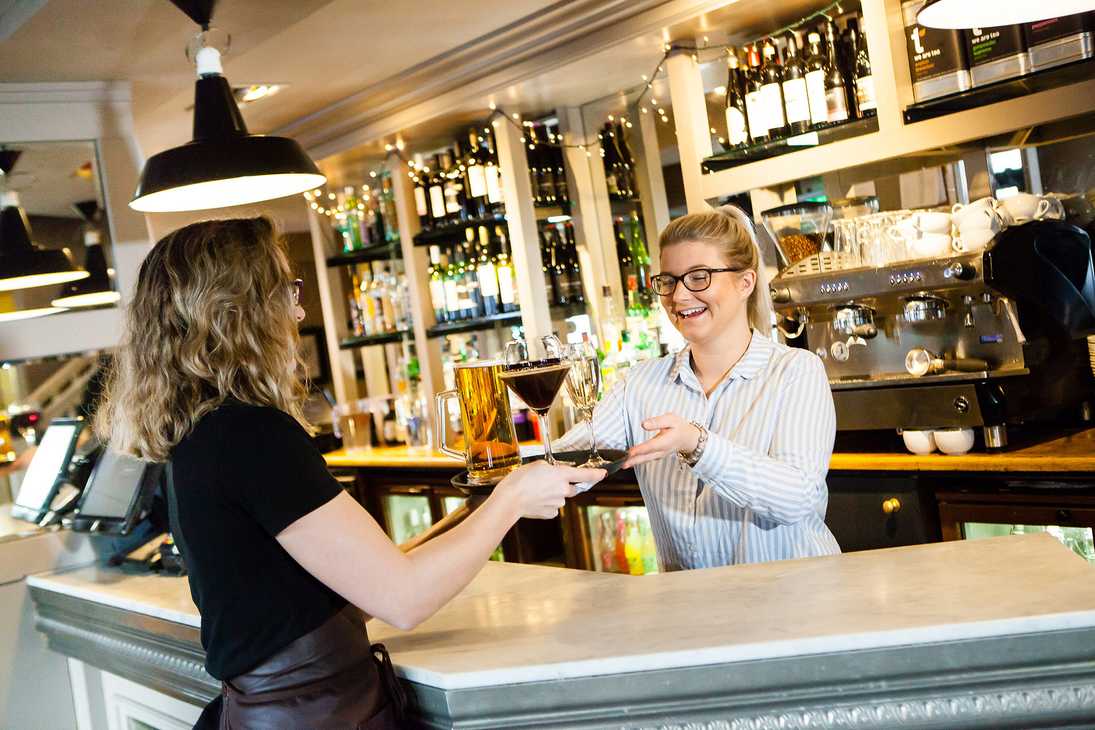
[332,300]
[523,234]
[690,118]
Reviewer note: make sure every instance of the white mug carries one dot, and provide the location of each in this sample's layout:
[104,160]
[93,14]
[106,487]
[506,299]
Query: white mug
[930,245]
[979,218]
[1051,208]
[932,222]
[974,240]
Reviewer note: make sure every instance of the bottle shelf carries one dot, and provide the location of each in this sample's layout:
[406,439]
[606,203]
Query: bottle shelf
[454,231]
[1044,80]
[472,325]
[549,210]
[352,343]
[788,145]
[385,252]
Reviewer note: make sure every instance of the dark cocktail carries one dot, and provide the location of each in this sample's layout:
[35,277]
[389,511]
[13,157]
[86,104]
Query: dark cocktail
[537,380]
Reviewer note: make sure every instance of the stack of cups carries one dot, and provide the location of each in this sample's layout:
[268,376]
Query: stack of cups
[924,235]
[978,223]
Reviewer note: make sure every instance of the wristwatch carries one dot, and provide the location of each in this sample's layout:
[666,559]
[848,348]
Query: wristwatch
[690,459]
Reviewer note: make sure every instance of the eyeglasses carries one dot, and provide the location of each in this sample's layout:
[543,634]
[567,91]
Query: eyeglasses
[298,290]
[694,280]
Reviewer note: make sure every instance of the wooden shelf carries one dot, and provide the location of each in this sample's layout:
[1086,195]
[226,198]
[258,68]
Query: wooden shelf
[1050,78]
[352,343]
[790,145]
[386,252]
[454,231]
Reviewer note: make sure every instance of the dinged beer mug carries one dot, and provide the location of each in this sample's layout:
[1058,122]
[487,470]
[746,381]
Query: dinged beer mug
[490,442]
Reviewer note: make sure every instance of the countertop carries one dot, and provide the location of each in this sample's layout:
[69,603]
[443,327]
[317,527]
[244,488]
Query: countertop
[1071,453]
[524,623]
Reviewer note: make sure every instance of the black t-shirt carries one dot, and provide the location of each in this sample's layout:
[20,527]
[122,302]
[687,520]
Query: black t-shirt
[243,475]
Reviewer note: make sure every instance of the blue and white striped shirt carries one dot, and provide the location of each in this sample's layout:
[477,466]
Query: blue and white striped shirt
[758,491]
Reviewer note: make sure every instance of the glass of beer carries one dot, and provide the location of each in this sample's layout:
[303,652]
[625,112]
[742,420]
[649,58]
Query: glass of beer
[490,441]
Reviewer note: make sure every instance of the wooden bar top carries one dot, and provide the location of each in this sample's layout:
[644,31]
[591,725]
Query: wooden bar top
[1071,453]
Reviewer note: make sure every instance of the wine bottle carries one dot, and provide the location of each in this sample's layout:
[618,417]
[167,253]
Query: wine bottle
[754,99]
[627,161]
[421,196]
[452,290]
[507,291]
[737,129]
[492,172]
[866,102]
[549,265]
[437,192]
[562,193]
[795,96]
[574,270]
[437,285]
[453,187]
[815,82]
[471,273]
[836,95]
[608,157]
[488,275]
[772,91]
[475,176]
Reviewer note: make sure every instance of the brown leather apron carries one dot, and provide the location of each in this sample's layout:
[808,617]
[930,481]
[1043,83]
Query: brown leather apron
[329,678]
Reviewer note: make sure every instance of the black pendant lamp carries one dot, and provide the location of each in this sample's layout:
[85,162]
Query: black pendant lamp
[959,14]
[24,264]
[97,289]
[223,165]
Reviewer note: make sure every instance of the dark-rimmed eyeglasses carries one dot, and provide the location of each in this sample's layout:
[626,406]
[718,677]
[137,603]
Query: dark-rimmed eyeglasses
[694,280]
[298,291]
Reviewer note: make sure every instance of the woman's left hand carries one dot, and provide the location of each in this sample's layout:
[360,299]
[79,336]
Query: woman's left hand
[674,434]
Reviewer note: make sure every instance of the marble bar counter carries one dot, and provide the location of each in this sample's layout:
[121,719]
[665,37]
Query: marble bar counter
[1069,453]
[988,633]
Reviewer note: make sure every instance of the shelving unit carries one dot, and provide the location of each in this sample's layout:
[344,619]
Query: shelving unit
[790,145]
[473,325]
[353,343]
[386,252]
[454,231]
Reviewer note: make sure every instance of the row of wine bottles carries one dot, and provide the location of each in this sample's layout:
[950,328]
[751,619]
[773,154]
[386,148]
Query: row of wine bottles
[782,87]
[547,171]
[473,278]
[562,273]
[618,160]
[460,184]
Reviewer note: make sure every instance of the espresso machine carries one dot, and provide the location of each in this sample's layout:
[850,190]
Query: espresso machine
[986,339]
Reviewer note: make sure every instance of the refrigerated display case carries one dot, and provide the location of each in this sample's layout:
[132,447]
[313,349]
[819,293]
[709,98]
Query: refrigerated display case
[608,529]
[406,515]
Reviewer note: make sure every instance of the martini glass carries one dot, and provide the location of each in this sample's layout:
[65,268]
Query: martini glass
[537,376]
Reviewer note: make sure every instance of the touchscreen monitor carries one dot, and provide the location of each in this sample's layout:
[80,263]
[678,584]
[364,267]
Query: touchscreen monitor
[117,494]
[47,469]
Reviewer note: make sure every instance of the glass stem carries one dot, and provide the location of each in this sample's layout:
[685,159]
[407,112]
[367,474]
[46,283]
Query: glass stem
[594,455]
[545,436]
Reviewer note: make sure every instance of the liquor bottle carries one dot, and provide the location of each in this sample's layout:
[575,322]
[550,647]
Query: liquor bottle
[866,102]
[488,273]
[633,546]
[436,189]
[470,262]
[737,128]
[390,217]
[576,293]
[549,265]
[836,95]
[562,193]
[621,540]
[795,96]
[452,291]
[772,92]
[650,550]
[437,285]
[607,543]
[475,176]
[356,325]
[815,82]
[754,99]
[453,185]
[492,172]
[421,195]
[507,291]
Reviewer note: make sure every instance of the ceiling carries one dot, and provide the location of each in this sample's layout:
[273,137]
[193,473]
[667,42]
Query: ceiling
[50,176]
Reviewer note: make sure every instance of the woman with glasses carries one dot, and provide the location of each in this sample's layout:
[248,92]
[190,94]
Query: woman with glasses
[282,562]
[731,438]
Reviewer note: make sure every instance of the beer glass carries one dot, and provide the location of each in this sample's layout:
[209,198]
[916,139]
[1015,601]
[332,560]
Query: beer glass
[490,441]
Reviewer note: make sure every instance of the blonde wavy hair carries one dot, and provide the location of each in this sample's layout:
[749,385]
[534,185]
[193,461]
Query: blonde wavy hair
[211,319]
[730,229]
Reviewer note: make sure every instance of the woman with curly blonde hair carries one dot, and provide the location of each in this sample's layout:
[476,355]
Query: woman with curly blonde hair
[281,561]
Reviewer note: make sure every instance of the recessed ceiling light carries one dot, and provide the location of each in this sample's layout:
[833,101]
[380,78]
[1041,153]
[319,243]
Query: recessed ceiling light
[255,92]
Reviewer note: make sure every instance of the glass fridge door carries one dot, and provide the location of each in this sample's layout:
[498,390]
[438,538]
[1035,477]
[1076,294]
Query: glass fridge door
[408,515]
[1077,539]
[621,540]
[449,504]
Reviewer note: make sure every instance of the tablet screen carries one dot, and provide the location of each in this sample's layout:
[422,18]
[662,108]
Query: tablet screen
[110,492]
[46,466]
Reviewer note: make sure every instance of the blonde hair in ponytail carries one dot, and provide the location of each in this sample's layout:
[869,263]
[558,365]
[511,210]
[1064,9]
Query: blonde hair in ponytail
[729,228]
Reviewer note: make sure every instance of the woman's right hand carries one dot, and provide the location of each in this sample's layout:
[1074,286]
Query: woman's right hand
[538,489]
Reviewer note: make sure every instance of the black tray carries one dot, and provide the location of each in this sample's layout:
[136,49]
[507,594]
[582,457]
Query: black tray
[460,481]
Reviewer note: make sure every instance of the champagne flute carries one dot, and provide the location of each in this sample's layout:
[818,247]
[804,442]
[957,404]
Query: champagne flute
[537,380]
[584,387]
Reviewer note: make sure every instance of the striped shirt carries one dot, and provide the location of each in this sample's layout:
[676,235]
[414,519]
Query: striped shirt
[758,491]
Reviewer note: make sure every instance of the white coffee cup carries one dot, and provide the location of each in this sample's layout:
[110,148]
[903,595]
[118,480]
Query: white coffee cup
[979,218]
[919,442]
[989,203]
[1050,208]
[954,440]
[974,240]
[1021,206]
[930,245]
[932,222]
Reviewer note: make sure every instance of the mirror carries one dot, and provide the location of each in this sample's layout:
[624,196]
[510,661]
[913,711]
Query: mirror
[53,192]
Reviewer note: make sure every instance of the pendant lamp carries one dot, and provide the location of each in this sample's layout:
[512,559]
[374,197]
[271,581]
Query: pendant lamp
[98,288]
[959,14]
[223,165]
[24,264]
